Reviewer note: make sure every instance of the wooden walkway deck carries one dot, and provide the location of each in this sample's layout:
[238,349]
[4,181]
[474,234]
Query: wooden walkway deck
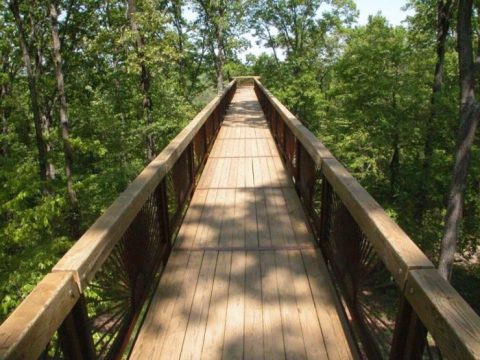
[244,279]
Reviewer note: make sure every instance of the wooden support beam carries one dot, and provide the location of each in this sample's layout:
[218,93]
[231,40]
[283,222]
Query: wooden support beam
[447,316]
[30,328]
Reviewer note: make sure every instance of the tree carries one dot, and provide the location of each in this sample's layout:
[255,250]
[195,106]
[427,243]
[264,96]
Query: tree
[219,21]
[145,77]
[64,127]
[444,12]
[469,118]
[28,51]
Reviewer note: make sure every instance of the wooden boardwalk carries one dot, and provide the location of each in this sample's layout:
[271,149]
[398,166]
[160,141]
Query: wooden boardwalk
[244,280]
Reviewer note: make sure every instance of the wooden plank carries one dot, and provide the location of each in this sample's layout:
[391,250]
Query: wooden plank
[195,334]
[214,333]
[217,148]
[218,216]
[251,148]
[253,307]
[268,177]
[284,221]
[233,173]
[334,325]
[234,326]
[190,224]
[273,147]
[241,172]
[272,320]
[223,132]
[262,133]
[249,248]
[28,330]
[218,174]
[240,133]
[207,174]
[447,316]
[397,251]
[251,230]
[155,326]
[263,227]
[225,175]
[258,175]
[275,175]
[280,228]
[312,333]
[226,232]
[285,179]
[240,149]
[228,148]
[249,177]
[205,233]
[239,219]
[265,149]
[292,329]
[298,220]
[177,326]
[250,133]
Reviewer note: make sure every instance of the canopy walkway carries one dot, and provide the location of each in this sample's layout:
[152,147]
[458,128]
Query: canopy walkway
[245,238]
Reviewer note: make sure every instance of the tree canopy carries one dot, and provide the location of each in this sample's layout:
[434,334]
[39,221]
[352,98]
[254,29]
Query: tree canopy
[90,91]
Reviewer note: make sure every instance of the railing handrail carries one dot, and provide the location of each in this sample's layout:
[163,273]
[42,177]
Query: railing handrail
[30,327]
[445,314]
[87,255]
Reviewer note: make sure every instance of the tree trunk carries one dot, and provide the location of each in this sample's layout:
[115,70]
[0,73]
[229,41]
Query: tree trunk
[220,59]
[47,124]
[444,14]
[145,78]
[67,148]
[32,87]
[4,125]
[395,159]
[394,165]
[469,117]
[219,34]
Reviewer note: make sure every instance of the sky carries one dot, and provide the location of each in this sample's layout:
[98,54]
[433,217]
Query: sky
[391,9]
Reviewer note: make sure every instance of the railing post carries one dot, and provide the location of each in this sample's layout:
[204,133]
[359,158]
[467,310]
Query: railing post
[409,337]
[163,215]
[298,154]
[75,333]
[191,160]
[325,211]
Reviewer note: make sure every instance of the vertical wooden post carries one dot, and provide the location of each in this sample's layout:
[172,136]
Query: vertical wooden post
[76,335]
[325,212]
[191,168]
[296,175]
[409,337]
[163,216]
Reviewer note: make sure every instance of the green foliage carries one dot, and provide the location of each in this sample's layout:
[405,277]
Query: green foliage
[107,128]
[364,90]
[366,93]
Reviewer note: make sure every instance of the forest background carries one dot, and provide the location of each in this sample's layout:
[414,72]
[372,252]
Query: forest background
[92,90]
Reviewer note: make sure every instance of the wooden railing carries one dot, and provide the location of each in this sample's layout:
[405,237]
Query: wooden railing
[398,305]
[89,306]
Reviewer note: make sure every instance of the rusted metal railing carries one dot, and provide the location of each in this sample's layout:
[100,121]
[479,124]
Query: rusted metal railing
[398,305]
[91,303]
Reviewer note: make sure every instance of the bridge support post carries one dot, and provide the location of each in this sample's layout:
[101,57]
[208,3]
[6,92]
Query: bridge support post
[75,333]
[409,336]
